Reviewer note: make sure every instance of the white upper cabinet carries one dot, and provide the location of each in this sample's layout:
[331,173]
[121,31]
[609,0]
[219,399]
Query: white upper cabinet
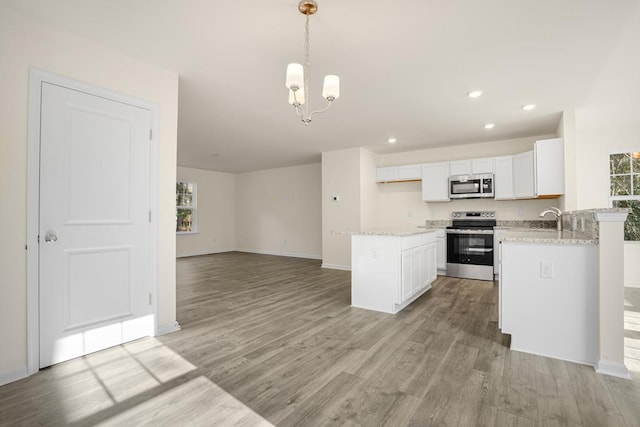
[472,166]
[460,167]
[549,161]
[524,176]
[399,173]
[485,165]
[387,174]
[503,185]
[435,182]
[409,172]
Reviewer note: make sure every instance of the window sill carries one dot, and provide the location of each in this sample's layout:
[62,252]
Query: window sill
[187,232]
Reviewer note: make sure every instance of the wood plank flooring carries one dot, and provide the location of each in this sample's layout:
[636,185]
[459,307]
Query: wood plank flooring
[271,340]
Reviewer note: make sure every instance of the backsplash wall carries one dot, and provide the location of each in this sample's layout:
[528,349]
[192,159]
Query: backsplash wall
[400,205]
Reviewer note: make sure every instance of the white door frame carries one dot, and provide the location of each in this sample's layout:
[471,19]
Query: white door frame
[36,79]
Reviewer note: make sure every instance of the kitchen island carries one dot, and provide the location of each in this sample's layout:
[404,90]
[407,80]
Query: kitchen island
[391,268]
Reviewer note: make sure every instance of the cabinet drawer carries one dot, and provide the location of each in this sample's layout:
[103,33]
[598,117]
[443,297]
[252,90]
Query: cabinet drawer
[416,240]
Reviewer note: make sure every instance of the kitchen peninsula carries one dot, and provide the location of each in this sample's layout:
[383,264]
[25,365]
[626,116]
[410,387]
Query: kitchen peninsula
[561,292]
[391,268]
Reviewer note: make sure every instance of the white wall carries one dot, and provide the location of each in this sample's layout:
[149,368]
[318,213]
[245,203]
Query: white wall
[340,177]
[24,43]
[401,206]
[278,211]
[369,194]
[460,152]
[567,131]
[216,213]
[607,121]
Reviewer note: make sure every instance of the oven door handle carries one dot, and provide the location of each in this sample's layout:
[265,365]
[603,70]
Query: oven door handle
[454,231]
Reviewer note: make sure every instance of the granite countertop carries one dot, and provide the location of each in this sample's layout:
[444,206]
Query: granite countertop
[541,236]
[385,232]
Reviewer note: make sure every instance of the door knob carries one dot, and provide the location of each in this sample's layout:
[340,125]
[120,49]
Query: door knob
[50,238]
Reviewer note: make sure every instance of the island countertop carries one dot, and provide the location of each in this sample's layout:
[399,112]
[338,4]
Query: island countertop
[545,236]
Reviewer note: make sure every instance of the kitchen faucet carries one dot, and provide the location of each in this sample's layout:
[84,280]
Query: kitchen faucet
[555,212]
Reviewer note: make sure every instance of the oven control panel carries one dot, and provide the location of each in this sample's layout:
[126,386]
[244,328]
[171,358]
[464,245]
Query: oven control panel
[474,215]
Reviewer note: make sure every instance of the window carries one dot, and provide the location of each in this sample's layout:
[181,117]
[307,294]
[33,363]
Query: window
[186,203]
[624,175]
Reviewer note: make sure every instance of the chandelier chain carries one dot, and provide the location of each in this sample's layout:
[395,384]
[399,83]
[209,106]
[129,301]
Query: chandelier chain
[307,66]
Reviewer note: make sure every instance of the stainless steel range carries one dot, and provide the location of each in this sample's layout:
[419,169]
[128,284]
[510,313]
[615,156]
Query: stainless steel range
[470,245]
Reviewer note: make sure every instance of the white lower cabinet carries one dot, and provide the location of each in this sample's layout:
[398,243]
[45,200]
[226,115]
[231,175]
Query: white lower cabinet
[441,251]
[388,272]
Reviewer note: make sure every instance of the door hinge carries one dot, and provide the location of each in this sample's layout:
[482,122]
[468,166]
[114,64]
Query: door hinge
[149,298]
[149,216]
[150,134]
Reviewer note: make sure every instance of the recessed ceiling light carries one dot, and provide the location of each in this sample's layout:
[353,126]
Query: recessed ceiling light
[489,126]
[392,140]
[528,107]
[474,94]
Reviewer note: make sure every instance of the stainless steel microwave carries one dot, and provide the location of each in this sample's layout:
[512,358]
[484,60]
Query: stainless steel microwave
[471,186]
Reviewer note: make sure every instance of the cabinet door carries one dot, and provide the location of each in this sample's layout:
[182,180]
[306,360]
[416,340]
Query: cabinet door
[432,261]
[386,174]
[420,268]
[407,268]
[441,253]
[549,161]
[504,178]
[435,182]
[409,172]
[485,165]
[460,167]
[523,176]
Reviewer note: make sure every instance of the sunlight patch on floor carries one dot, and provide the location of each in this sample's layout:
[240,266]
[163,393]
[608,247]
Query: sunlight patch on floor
[101,380]
[196,402]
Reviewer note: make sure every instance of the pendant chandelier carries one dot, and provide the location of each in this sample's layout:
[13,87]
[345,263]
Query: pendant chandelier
[297,80]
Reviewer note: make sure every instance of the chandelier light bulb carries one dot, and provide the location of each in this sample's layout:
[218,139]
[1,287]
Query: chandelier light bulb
[295,76]
[331,87]
[296,96]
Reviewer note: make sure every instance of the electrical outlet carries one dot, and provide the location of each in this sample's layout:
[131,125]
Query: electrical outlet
[374,253]
[546,269]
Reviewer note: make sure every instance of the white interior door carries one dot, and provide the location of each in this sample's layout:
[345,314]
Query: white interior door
[94,278]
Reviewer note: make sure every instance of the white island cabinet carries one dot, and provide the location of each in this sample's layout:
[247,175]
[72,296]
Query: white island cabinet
[389,270]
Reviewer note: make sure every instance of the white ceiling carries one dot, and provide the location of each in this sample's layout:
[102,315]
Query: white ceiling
[405,68]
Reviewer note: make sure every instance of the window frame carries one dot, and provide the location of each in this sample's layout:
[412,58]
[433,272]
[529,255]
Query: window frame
[633,175]
[193,208]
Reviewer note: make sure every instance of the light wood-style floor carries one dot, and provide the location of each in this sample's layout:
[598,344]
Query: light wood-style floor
[273,341]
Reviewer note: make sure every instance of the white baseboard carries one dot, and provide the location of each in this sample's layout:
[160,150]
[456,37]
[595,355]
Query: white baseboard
[204,252]
[11,376]
[336,266]
[614,369]
[277,253]
[168,328]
